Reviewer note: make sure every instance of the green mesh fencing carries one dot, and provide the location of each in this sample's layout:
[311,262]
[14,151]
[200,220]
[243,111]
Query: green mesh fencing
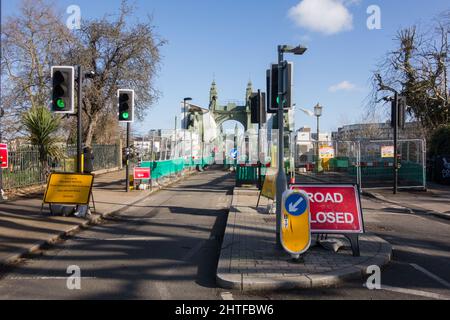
[160,169]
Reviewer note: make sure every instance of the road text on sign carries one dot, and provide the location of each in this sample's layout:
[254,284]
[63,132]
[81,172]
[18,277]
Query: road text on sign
[64,188]
[334,208]
[142,174]
[295,225]
[4,156]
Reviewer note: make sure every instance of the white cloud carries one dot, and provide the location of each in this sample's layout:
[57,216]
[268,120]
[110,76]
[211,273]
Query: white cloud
[324,16]
[343,86]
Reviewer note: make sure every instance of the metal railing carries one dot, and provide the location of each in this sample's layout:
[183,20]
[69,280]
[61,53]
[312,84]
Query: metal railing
[25,168]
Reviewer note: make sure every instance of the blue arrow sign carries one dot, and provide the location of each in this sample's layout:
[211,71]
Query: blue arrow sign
[234,154]
[296,204]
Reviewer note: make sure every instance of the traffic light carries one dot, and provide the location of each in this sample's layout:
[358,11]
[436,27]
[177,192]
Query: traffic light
[126,105]
[258,107]
[288,83]
[268,90]
[63,79]
[273,90]
[401,112]
[401,108]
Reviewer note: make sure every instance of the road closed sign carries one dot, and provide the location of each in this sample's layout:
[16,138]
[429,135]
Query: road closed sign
[335,209]
[295,222]
[142,173]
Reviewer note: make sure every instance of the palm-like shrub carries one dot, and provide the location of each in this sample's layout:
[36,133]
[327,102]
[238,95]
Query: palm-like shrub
[42,128]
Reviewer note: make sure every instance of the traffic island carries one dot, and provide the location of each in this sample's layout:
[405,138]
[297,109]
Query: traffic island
[251,261]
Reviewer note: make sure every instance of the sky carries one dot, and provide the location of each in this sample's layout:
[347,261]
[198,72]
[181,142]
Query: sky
[235,41]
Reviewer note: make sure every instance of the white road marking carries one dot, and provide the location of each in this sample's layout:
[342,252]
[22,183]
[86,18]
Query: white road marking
[425,251]
[137,239]
[431,275]
[47,278]
[418,293]
[227,296]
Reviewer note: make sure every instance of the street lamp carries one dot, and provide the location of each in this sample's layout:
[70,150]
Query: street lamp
[318,113]
[281,175]
[185,123]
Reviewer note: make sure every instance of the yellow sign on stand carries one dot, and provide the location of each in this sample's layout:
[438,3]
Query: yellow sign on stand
[69,188]
[269,189]
[296,223]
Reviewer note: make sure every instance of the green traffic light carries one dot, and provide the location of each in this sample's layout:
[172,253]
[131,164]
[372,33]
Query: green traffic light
[125,115]
[60,103]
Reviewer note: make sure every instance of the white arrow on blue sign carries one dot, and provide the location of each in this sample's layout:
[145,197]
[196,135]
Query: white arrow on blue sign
[296,204]
[234,154]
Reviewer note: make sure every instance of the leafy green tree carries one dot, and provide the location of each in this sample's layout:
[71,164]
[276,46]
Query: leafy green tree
[440,142]
[42,127]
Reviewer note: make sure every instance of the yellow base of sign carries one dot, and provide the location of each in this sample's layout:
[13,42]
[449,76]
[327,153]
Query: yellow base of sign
[269,188]
[295,230]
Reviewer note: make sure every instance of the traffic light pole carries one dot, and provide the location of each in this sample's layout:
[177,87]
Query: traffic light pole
[128,158]
[79,120]
[395,142]
[281,176]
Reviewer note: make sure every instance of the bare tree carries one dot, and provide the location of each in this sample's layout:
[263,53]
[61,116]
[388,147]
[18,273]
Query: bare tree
[418,69]
[121,56]
[32,42]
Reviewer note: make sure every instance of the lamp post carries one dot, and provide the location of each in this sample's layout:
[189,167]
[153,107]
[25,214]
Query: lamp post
[281,181]
[185,123]
[318,113]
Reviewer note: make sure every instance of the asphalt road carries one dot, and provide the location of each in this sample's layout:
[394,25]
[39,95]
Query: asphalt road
[421,260]
[167,247]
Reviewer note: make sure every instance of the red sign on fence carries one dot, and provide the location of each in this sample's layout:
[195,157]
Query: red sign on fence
[334,208]
[4,156]
[142,174]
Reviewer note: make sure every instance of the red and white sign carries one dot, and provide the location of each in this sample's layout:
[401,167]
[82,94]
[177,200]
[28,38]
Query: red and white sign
[142,174]
[334,208]
[4,156]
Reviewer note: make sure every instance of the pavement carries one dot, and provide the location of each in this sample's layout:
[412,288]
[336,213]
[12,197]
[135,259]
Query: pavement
[435,201]
[24,229]
[250,260]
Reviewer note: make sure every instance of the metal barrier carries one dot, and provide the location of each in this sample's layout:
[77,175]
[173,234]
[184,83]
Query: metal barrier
[377,165]
[369,164]
[327,162]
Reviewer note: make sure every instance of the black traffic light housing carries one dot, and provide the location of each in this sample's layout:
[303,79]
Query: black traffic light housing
[272,87]
[63,80]
[126,105]
[258,108]
[400,104]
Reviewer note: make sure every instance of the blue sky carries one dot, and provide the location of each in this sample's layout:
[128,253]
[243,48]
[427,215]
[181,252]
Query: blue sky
[236,41]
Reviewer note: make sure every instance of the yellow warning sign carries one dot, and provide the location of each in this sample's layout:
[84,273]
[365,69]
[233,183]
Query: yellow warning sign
[269,188]
[69,188]
[296,222]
